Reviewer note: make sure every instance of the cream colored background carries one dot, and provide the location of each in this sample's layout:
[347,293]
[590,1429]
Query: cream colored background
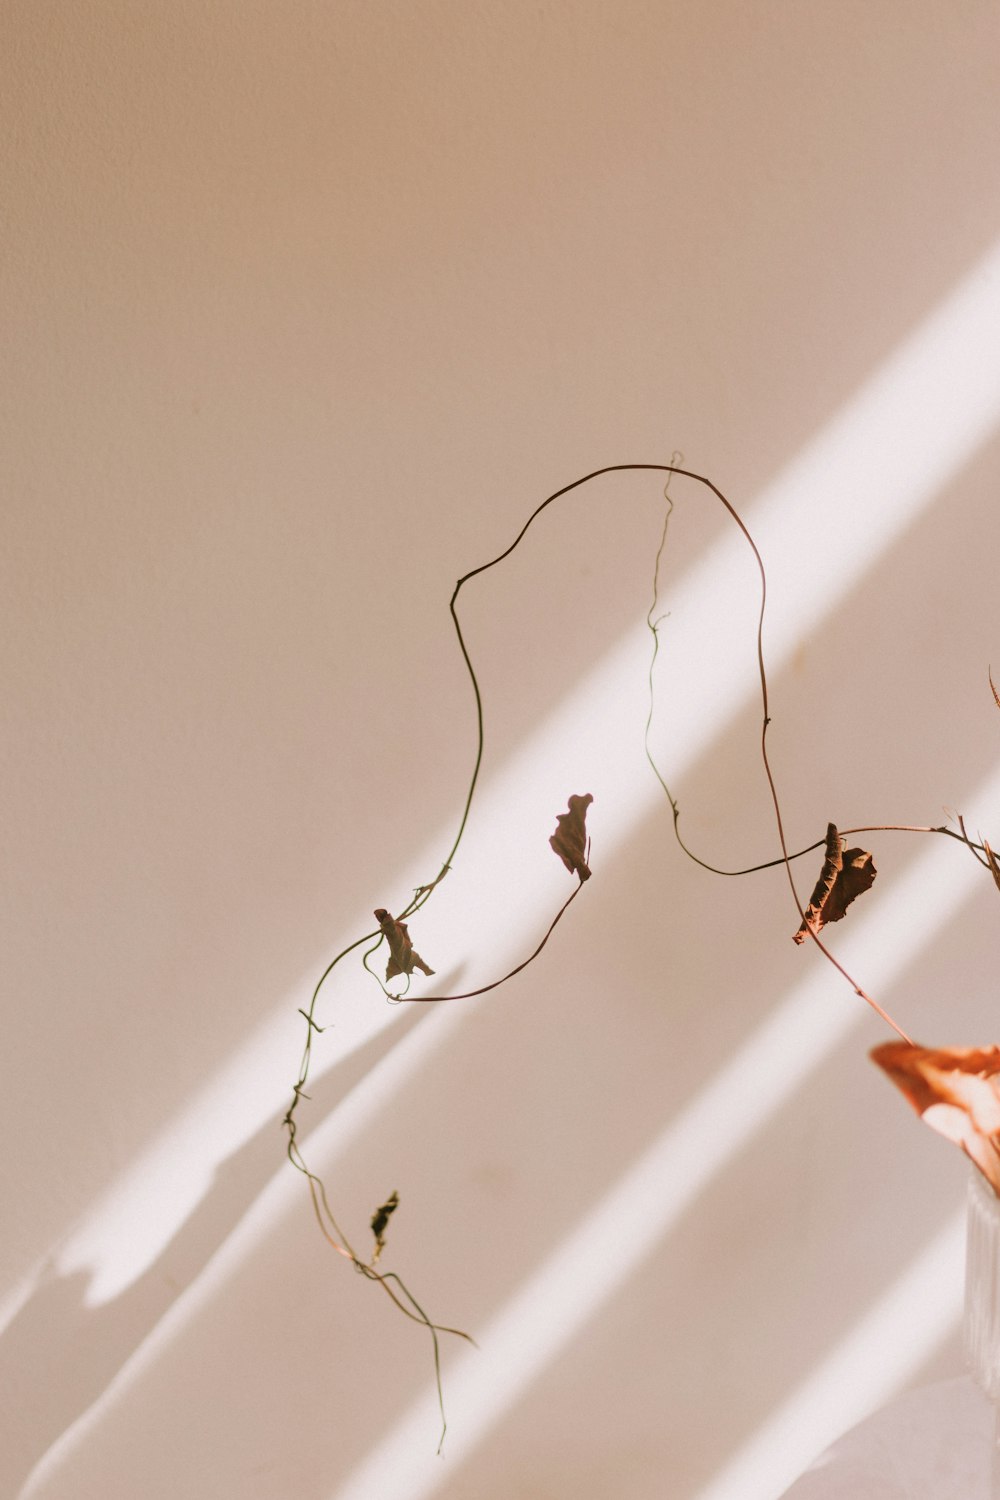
[307,305]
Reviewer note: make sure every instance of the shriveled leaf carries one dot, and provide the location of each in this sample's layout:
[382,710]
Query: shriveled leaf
[380,1220]
[402,958]
[996,695]
[846,873]
[570,838]
[957,1091]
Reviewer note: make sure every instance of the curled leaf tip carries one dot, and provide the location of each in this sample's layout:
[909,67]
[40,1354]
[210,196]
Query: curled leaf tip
[956,1091]
[570,838]
[846,873]
[402,957]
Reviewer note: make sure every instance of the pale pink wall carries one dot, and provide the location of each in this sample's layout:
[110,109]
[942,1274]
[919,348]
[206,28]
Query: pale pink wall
[306,307]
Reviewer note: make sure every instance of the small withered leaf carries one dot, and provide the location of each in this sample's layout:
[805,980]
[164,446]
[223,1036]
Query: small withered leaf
[402,958]
[380,1220]
[846,873]
[955,1090]
[570,838]
[996,695]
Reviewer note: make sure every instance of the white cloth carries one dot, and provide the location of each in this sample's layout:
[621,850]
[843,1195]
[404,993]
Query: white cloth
[934,1443]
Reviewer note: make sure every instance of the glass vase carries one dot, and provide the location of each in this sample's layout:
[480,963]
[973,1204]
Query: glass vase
[982,1301]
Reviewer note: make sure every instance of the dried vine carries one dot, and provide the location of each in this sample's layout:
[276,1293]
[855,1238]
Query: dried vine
[393,931]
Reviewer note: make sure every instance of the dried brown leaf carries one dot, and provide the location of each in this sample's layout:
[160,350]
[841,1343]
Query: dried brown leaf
[380,1220]
[996,695]
[846,873]
[956,1090]
[993,862]
[402,958]
[570,838]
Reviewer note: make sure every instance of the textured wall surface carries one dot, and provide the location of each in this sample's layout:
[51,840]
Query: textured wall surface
[307,306]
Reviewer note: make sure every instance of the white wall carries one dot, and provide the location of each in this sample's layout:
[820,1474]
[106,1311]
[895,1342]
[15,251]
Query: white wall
[307,306]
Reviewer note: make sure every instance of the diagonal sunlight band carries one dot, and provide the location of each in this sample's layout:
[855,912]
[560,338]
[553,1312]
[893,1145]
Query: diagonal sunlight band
[911,426]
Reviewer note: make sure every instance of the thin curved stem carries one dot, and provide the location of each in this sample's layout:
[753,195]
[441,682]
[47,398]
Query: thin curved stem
[976,849]
[485,989]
